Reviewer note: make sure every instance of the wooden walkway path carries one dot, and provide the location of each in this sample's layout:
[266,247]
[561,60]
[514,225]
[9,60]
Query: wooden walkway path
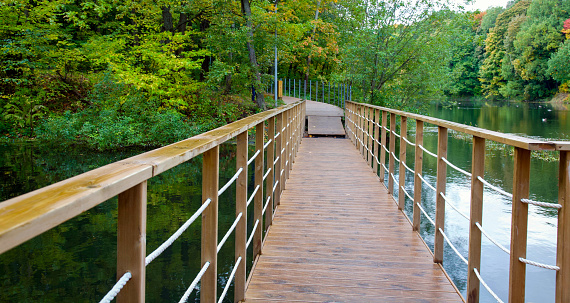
[338,236]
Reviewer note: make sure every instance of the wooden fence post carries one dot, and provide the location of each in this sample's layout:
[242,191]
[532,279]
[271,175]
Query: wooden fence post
[210,171]
[383,141]
[269,181]
[440,189]
[370,122]
[419,155]
[131,242]
[376,138]
[392,149]
[258,199]
[477,169]
[278,155]
[563,249]
[241,207]
[402,170]
[519,224]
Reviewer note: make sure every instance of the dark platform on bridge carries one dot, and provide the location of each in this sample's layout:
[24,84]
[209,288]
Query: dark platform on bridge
[325,126]
[338,236]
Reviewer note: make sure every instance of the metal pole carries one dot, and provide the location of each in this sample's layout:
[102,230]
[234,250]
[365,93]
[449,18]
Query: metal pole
[329,98]
[276,83]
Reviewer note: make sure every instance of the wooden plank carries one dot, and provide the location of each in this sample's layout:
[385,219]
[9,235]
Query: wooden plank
[402,169]
[131,242]
[509,139]
[325,126]
[277,192]
[392,150]
[477,169]
[345,241]
[269,181]
[258,181]
[440,189]
[383,141]
[519,224]
[418,164]
[376,140]
[209,252]
[563,249]
[241,207]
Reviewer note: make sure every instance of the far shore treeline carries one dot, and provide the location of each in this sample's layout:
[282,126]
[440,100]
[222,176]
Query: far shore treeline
[111,74]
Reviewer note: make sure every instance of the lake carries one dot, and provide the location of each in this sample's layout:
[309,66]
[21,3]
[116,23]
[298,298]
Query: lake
[76,261]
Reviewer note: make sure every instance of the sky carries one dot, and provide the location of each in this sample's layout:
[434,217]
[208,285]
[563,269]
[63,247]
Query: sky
[484,4]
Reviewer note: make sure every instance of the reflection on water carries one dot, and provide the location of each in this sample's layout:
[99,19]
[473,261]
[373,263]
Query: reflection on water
[76,261]
[536,120]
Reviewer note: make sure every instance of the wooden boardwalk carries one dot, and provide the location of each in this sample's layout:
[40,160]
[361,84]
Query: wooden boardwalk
[337,236]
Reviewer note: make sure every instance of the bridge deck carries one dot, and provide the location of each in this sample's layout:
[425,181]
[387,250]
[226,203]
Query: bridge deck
[338,237]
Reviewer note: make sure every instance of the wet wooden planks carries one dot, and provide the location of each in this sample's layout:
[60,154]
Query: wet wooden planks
[325,126]
[338,237]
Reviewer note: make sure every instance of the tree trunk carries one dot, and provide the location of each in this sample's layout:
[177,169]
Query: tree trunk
[312,37]
[259,98]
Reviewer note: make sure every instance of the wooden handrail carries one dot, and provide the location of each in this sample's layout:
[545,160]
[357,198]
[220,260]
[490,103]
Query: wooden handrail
[31,214]
[521,175]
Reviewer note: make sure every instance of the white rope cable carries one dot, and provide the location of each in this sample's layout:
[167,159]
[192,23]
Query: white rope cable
[486,286]
[194,283]
[393,178]
[275,162]
[395,158]
[396,134]
[406,193]
[283,129]
[497,189]
[407,168]
[384,166]
[229,232]
[266,204]
[266,174]
[283,150]
[385,128]
[543,204]
[385,148]
[252,195]
[408,141]
[453,246]
[253,157]
[287,162]
[229,282]
[426,214]
[267,144]
[177,234]
[252,233]
[541,265]
[117,288]
[274,186]
[282,170]
[277,135]
[491,239]
[453,206]
[426,183]
[230,182]
[428,152]
[468,174]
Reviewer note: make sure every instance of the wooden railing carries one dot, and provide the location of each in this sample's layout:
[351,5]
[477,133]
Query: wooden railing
[367,128]
[29,215]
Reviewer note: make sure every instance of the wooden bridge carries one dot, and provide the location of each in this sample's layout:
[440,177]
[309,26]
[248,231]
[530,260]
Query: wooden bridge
[325,229]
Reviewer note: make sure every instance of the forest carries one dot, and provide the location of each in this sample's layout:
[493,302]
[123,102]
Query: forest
[109,74]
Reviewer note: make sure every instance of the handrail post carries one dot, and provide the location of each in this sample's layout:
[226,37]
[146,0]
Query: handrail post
[370,135]
[402,170]
[131,242]
[269,180]
[376,136]
[563,248]
[359,137]
[519,224]
[383,141]
[210,175]
[419,156]
[391,155]
[477,170]
[440,189]
[278,166]
[258,199]
[241,207]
